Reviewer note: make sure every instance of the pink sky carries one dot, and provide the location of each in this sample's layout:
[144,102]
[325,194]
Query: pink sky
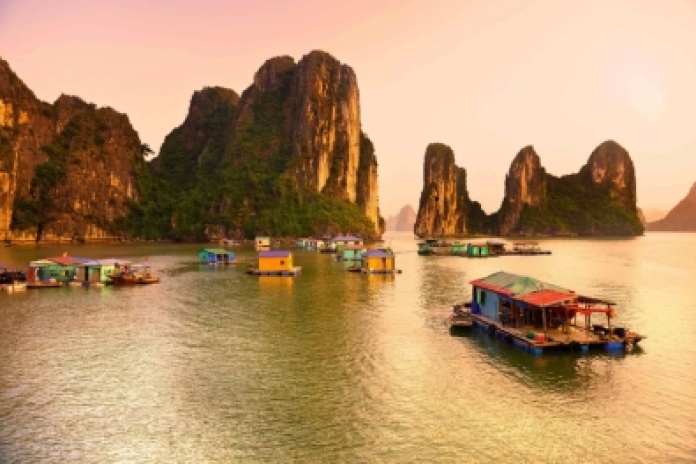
[486,78]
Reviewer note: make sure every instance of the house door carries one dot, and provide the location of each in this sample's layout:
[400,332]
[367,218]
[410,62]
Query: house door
[95,275]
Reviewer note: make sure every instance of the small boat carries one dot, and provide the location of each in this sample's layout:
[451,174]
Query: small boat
[461,316]
[137,274]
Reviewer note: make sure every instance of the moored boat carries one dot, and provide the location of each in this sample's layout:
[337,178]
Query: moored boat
[461,316]
[137,274]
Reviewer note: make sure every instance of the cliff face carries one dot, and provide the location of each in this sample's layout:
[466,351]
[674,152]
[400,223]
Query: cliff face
[65,169]
[681,218]
[403,221]
[611,166]
[292,139]
[599,200]
[443,202]
[525,184]
[203,134]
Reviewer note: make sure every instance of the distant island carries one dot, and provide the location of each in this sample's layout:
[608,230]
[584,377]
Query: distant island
[286,158]
[681,218]
[403,221]
[598,200]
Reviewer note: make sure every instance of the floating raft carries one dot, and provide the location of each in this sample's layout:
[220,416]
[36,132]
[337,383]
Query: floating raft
[275,272]
[44,285]
[380,271]
[575,338]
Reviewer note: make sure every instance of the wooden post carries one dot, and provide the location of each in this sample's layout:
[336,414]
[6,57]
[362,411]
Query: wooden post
[543,317]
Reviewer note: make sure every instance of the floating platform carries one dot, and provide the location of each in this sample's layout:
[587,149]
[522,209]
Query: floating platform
[380,271]
[44,285]
[576,338]
[13,287]
[276,272]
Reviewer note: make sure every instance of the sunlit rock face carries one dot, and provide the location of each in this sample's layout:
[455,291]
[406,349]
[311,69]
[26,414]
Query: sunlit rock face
[681,218]
[610,165]
[444,199]
[403,221]
[525,184]
[71,161]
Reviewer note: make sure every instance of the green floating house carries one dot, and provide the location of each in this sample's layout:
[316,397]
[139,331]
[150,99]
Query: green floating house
[477,250]
[215,256]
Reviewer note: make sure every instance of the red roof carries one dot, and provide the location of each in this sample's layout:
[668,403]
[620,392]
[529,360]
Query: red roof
[63,260]
[546,297]
[495,288]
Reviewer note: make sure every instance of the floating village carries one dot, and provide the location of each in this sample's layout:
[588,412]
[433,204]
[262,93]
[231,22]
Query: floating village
[532,315]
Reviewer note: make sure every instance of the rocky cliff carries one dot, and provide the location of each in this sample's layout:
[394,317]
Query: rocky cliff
[66,170]
[403,221]
[288,158]
[599,200]
[681,218]
[444,208]
[525,185]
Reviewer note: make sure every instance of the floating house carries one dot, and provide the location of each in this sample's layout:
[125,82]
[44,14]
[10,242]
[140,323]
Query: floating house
[89,272]
[379,262]
[496,247]
[52,272]
[302,243]
[315,244]
[527,247]
[441,247]
[276,262]
[262,241]
[535,315]
[344,240]
[477,250]
[351,253]
[216,256]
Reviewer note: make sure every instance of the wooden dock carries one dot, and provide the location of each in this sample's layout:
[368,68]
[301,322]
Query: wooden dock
[275,272]
[44,285]
[381,271]
[573,338]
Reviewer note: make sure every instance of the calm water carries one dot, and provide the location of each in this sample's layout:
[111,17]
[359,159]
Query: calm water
[219,366]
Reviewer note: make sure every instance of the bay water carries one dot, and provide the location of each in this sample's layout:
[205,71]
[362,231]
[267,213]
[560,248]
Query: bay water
[214,365]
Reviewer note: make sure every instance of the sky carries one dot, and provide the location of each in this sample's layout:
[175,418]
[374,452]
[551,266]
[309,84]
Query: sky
[486,78]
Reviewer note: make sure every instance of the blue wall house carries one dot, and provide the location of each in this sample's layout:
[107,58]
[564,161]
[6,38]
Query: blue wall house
[215,256]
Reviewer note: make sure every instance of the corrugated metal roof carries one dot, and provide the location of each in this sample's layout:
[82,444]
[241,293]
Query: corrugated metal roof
[112,261]
[217,251]
[346,238]
[274,254]
[377,254]
[63,260]
[546,297]
[515,285]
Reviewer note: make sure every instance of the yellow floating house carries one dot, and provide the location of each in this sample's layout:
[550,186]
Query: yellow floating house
[276,262]
[379,262]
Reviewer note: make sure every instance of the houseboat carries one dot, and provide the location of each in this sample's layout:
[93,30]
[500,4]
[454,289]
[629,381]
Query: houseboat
[338,242]
[262,242]
[527,248]
[89,273]
[53,272]
[379,262]
[214,256]
[276,262]
[441,247]
[350,253]
[477,250]
[538,316]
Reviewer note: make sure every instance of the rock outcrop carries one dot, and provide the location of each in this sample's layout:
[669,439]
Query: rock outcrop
[404,221]
[599,200]
[443,203]
[681,218]
[525,185]
[298,124]
[611,166]
[66,170]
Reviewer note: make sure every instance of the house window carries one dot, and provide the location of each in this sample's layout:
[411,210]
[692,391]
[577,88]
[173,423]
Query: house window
[282,262]
[483,297]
